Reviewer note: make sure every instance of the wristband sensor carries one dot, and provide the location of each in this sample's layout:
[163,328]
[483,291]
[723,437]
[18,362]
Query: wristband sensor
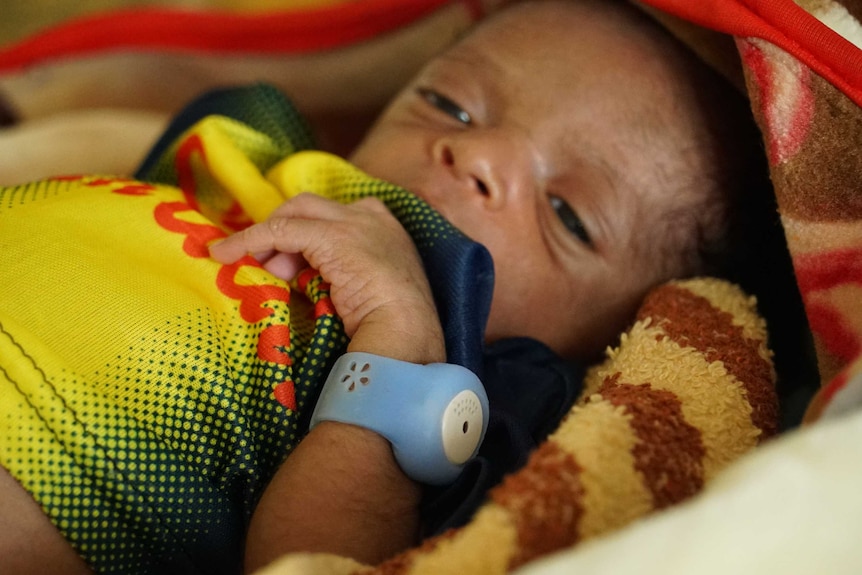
[435,416]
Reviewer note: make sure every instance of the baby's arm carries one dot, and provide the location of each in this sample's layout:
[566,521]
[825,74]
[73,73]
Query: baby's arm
[341,490]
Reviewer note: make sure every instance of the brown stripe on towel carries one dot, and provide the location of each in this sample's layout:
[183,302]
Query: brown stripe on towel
[696,323]
[545,500]
[670,451]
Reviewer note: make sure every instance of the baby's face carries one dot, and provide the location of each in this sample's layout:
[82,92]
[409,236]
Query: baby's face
[528,136]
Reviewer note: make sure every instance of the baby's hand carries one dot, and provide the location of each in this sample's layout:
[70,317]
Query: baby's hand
[378,285]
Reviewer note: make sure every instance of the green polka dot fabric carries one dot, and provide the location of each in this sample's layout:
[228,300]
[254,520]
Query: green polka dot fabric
[147,392]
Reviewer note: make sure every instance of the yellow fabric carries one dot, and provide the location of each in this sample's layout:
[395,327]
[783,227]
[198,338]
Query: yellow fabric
[147,392]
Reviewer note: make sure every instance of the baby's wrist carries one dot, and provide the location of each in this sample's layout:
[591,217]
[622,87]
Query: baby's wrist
[406,338]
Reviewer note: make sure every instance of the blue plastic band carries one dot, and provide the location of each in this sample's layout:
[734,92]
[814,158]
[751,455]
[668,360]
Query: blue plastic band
[435,416]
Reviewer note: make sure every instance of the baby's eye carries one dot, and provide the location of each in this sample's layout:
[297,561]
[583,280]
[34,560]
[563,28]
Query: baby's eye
[570,219]
[445,105]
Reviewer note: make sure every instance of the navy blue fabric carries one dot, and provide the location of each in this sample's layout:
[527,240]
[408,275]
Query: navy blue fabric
[461,275]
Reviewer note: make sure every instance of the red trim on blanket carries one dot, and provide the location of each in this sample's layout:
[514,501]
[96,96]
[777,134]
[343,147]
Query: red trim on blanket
[158,29]
[821,272]
[304,30]
[784,24]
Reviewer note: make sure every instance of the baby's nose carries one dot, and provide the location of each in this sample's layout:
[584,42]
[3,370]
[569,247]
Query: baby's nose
[495,167]
[472,169]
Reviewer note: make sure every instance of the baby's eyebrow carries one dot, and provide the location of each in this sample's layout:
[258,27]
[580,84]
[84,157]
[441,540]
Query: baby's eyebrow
[470,58]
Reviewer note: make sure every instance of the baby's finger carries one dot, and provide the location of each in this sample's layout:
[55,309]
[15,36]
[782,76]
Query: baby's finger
[313,207]
[263,257]
[309,206]
[259,238]
[285,266]
[372,204]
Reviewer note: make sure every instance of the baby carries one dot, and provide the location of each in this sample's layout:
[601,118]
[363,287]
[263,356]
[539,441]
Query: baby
[574,141]
[591,155]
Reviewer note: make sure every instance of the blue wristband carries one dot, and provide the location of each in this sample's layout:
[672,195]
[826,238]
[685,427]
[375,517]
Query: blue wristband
[435,416]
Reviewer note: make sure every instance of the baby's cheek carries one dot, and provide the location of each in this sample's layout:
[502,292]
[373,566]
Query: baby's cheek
[578,329]
[520,313]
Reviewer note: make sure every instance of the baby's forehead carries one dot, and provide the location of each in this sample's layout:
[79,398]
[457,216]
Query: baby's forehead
[542,21]
[566,41]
